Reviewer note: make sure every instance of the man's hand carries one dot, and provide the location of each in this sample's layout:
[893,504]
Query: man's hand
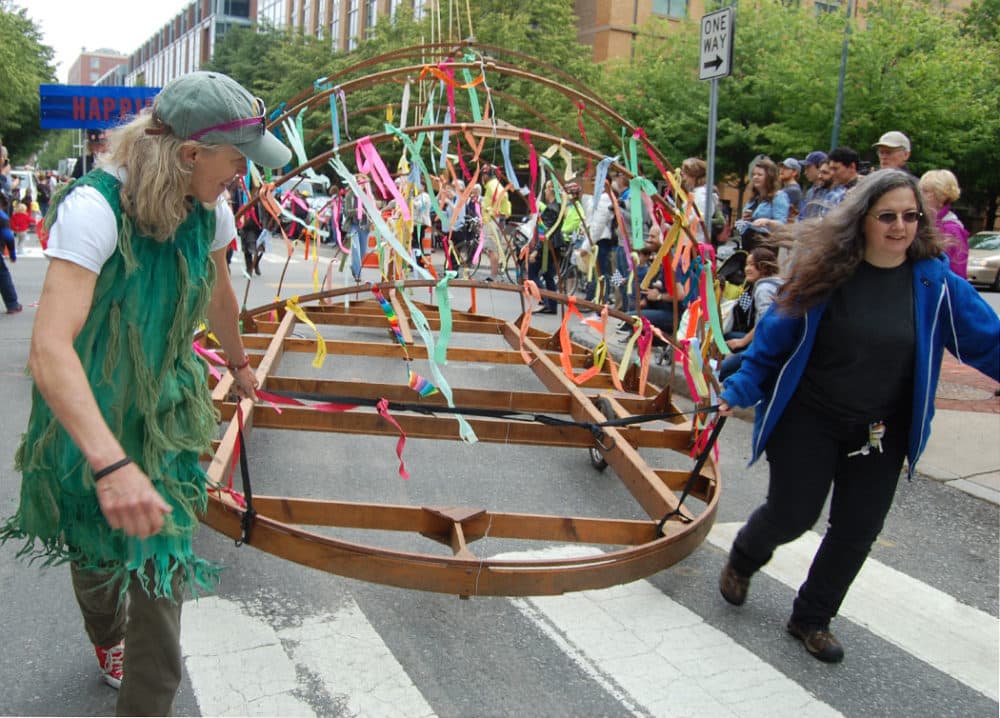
[129,502]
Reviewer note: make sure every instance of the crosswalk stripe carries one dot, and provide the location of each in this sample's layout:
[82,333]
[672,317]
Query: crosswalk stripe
[662,656]
[954,638]
[240,665]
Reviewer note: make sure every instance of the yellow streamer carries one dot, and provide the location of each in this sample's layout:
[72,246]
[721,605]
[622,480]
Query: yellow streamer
[292,305]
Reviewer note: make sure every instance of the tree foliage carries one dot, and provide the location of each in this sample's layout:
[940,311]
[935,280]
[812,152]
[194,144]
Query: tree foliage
[281,66]
[27,63]
[909,68]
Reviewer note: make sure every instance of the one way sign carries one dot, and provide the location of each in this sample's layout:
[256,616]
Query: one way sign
[716,57]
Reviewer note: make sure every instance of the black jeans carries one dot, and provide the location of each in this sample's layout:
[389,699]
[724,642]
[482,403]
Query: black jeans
[808,452]
[7,290]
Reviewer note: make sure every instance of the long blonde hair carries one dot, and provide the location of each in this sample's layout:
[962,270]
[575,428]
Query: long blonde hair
[154,194]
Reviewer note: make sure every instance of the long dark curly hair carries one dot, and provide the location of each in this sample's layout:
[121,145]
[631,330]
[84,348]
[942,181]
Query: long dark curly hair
[828,250]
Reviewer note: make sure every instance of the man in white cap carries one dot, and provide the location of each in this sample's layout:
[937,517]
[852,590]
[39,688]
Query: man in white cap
[893,150]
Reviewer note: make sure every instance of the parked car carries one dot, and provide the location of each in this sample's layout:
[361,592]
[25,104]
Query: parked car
[984,259]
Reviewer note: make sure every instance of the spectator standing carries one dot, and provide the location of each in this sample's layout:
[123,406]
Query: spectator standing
[694,175]
[768,205]
[939,189]
[121,412]
[788,173]
[7,290]
[893,151]
[812,203]
[844,170]
[97,143]
[845,367]
[495,209]
[542,260]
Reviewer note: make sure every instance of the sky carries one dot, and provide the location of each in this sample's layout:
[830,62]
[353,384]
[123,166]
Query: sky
[122,25]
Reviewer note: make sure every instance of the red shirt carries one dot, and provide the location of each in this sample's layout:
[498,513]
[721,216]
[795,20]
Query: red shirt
[20,221]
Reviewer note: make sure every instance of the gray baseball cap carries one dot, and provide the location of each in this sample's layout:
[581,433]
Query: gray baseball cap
[213,108]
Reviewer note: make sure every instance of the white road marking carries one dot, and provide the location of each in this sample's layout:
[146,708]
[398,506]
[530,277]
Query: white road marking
[956,639]
[240,665]
[663,659]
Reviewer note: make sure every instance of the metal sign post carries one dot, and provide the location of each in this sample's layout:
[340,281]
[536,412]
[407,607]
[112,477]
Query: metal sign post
[715,61]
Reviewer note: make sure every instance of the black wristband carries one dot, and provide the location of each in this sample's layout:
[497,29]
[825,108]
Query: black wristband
[98,475]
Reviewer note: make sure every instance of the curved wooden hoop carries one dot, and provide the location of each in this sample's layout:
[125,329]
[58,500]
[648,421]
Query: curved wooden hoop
[278,526]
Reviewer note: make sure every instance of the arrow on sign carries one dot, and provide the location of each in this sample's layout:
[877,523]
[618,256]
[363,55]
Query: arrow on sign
[714,64]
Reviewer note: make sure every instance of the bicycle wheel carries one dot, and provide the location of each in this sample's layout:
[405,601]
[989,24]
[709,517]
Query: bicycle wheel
[569,275]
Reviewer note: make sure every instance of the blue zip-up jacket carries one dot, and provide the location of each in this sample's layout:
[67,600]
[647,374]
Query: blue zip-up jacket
[948,313]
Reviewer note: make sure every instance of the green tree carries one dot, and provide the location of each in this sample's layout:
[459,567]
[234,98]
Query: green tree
[778,100]
[282,66]
[910,68]
[27,63]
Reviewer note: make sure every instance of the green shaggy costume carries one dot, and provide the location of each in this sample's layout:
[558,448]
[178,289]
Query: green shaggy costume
[135,348]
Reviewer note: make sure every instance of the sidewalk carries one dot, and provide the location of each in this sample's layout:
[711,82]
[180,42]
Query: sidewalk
[964,448]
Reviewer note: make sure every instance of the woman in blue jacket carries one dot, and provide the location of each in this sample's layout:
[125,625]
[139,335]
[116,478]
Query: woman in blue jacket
[843,372]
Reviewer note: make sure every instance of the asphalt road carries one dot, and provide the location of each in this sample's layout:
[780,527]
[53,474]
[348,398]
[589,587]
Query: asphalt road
[279,639]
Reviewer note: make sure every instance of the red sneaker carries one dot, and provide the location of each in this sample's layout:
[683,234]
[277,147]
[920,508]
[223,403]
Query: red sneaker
[112,663]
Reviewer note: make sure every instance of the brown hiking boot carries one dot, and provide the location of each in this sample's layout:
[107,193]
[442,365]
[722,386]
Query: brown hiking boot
[733,585]
[818,641]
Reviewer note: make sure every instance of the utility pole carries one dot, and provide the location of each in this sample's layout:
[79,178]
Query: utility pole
[838,110]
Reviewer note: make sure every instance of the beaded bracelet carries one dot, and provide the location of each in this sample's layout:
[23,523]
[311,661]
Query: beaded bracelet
[98,475]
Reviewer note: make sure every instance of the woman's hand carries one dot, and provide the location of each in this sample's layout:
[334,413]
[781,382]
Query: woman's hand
[764,222]
[245,382]
[738,343]
[130,503]
[725,409]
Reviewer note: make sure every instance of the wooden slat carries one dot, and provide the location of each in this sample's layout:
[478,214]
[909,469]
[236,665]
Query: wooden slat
[640,479]
[391,349]
[497,431]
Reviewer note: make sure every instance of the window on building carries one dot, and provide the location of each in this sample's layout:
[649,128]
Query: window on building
[352,24]
[236,8]
[393,7]
[94,76]
[335,25]
[95,63]
[221,28]
[670,8]
[371,16]
[827,6]
[419,8]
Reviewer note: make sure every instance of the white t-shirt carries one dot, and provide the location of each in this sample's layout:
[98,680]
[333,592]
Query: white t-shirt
[85,232]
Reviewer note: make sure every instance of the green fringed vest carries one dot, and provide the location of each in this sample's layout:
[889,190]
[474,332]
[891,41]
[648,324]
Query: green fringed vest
[135,347]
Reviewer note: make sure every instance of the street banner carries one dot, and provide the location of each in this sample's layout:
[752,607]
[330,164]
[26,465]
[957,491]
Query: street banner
[88,107]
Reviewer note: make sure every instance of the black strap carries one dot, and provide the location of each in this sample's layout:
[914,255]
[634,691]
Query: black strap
[702,458]
[249,513]
[487,412]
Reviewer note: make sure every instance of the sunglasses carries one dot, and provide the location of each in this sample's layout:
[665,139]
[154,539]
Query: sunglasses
[910,216]
[259,120]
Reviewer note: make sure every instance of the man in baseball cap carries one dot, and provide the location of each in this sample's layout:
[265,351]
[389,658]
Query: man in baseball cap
[788,174]
[893,150]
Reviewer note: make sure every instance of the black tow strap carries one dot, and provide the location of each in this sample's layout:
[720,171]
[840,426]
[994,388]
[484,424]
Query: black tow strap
[249,513]
[596,428]
[421,408]
[698,464]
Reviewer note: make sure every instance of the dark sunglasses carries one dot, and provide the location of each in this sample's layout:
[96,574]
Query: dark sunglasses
[910,216]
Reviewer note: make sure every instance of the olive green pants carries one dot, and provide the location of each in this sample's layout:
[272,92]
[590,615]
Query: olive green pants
[151,628]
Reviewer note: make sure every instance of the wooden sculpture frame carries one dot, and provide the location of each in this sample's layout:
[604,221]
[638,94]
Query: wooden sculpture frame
[279,524]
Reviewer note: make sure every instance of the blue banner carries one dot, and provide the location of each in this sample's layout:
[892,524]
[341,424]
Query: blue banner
[88,107]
